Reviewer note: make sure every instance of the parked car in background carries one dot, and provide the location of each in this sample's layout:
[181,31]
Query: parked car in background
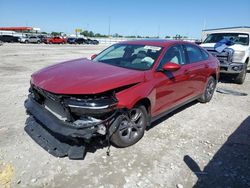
[232,50]
[94,42]
[86,41]
[80,41]
[9,38]
[71,40]
[23,39]
[42,37]
[30,39]
[117,94]
[56,40]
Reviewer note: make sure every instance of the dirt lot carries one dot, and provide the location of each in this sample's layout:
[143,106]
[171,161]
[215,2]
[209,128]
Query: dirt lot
[202,145]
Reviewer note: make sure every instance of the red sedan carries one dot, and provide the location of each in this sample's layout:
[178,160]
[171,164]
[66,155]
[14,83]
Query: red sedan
[55,40]
[117,94]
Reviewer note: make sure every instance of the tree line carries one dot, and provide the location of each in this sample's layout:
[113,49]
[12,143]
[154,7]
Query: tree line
[87,33]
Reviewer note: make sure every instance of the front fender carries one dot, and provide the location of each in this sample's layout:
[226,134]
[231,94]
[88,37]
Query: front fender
[129,97]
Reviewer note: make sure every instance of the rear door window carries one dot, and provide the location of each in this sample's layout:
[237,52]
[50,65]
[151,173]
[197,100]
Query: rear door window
[204,54]
[194,53]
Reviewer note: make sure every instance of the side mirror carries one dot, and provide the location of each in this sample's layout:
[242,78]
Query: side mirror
[171,66]
[93,56]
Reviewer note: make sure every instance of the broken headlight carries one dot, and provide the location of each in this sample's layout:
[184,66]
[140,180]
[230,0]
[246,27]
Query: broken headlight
[90,106]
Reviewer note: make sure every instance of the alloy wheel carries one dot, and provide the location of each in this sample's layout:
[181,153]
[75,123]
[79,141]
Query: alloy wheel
[132,127]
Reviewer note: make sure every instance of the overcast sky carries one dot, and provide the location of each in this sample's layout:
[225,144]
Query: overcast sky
[126,17]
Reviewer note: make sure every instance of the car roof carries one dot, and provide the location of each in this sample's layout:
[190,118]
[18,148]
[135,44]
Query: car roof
[222,32]
[155,42]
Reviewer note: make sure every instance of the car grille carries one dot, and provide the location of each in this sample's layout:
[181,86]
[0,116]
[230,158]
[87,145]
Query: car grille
[224,57]
[50,101]
[56,109]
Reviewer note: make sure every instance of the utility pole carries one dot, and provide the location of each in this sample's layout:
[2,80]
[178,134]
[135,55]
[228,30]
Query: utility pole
[109,27]
[204,24]
[109,31]
[158,32]
[204,27]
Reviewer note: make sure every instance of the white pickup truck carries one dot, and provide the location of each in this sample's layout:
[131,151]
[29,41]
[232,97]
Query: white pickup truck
[234,59]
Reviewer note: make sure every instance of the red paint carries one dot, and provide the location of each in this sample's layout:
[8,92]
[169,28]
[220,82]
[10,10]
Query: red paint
[171,67]
[83,76]
[55,40]
[16,28]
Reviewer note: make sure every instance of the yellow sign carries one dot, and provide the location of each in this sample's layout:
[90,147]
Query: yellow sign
[78,30]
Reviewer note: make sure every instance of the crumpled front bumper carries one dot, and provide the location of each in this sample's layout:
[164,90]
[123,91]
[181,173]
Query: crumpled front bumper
[57,137]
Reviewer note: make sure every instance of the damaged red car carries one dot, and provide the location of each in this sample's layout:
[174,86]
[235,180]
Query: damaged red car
[117,94]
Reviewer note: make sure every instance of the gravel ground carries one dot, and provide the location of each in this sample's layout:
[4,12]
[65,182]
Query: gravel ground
[201,145]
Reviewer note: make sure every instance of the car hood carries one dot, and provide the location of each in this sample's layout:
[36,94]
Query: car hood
[83,76]
[235,47]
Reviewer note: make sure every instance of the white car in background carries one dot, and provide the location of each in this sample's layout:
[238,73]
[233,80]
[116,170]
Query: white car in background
[31,39]
[234,58]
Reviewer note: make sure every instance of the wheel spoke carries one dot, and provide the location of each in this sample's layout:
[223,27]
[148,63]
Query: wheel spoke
[137,126]
[130,133]
[123,128]
[136,116]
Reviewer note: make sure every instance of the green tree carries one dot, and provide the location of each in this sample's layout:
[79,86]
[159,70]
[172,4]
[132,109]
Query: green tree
[53,33]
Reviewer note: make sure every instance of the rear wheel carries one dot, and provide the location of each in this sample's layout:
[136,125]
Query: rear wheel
[240,78]
[131,129]
[209,91]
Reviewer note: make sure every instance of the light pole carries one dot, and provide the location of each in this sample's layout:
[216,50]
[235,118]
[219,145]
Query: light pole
[109,30]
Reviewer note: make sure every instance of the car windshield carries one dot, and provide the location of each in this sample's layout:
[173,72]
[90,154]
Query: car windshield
[236,38]
[138,57]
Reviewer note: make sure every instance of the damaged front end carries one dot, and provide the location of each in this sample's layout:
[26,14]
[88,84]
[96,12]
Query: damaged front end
[62,124]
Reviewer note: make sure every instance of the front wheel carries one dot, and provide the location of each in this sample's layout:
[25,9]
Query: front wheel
[209,90]
[131,129]
[240,78]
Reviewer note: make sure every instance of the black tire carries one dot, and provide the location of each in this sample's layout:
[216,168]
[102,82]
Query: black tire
[131,131]
[209,90]
[38,42]
[26,42]
[240,78]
